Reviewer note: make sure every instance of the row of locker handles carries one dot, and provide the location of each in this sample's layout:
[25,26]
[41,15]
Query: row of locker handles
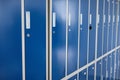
[54,20]
[81,19]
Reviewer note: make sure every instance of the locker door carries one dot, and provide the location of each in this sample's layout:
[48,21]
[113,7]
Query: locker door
[35,39]
[82,75]
[98,73]
[119,26]
[58,39]
[10,40]
[110,26]
[112,77]
[105,27]
[73,78]
[108,67]
[92,29]
[73,35]
[91,73]
[104,68]
[83,32]
[116,65]
[114,24]
[108,41]
[100,28]
[119,65]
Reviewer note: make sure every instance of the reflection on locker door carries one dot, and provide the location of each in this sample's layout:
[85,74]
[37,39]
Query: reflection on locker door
[35,39]
[58,39]
[10,40]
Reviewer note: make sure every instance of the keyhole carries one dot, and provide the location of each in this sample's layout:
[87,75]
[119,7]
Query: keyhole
[90,28]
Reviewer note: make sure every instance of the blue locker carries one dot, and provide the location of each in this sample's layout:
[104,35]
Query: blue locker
[104,68]
[10,40]
[110,17]
[73,35]
[111,26]
[98,71]
[105,27]
[114,24]
[35,39]
[58,39]
[84,33]
[73,78]
[119,26]
[82,75]
[91,73]
[116,65]
[108,67]
[100,28]
[112,78]
[92,29]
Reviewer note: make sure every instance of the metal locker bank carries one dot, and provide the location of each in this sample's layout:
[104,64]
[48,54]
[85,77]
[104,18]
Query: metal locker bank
[59,39]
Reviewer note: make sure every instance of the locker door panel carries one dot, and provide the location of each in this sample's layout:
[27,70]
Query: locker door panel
[35,39]
[110,26]
[58,39]
[110,17]
[73,78]
[105,27]
[84,33]
[116,65]
[82,75]
[91,73]
[108,67]
[92,30]
[114,24]
[73,35]
[98,73]
[100,28]
[104,68]
[113,65]
[119,26]
[10,40]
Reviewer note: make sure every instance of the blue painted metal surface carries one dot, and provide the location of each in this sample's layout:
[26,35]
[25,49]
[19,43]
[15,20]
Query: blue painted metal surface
[91,72]
[59,39]
[84,33]
[100,28]
[73,35]
[92,30]
[98,71]
[105,27]
[36,43]
[10,40]
[82,75]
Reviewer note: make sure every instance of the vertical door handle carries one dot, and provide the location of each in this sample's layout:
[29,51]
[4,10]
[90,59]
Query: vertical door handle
[90,18]
[81,17]
[104,18]
[69,19]
[27,19]
[98,18]
[54,19]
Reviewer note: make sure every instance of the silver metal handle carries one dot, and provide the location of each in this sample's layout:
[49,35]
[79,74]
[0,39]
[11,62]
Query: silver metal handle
[27,19]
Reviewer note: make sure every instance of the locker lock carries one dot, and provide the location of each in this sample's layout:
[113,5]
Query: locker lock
[90,27]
